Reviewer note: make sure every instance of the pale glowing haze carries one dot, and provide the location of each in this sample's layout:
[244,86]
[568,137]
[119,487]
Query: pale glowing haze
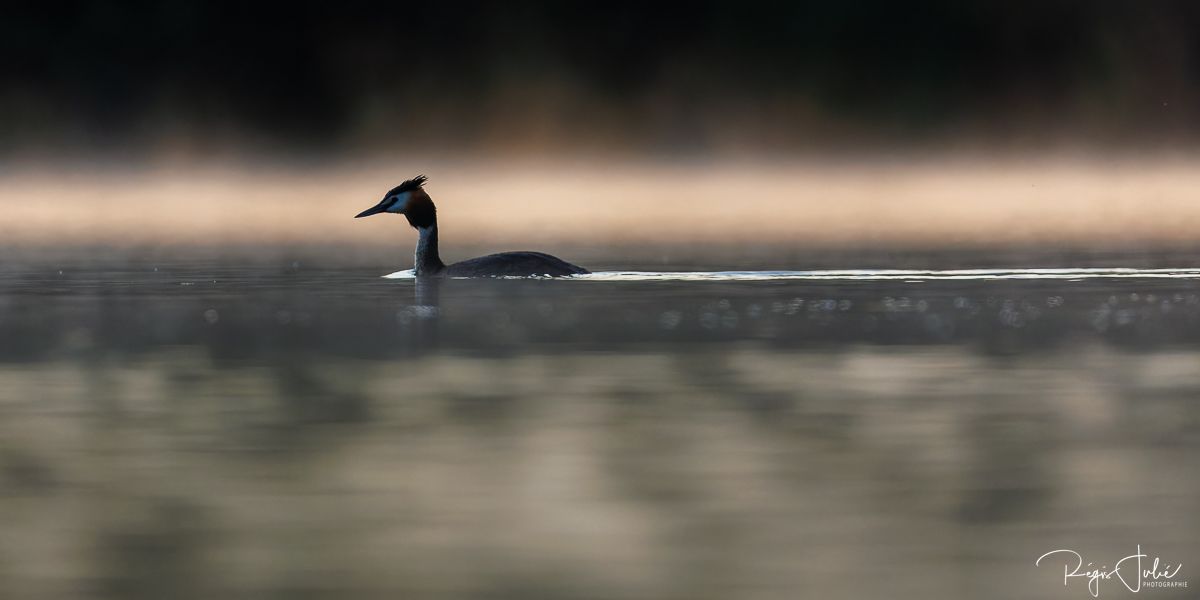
[930,203]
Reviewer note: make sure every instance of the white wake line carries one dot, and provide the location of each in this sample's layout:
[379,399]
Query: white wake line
[876,275]
[898,274]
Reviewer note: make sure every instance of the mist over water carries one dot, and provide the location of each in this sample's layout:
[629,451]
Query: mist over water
[635,211]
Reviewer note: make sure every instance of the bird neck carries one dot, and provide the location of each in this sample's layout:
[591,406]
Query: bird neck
[426,260]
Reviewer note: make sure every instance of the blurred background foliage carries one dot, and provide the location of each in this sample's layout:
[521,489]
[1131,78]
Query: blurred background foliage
[603,77]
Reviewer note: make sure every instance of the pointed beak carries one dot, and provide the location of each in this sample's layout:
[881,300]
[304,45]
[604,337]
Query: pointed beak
[374,210]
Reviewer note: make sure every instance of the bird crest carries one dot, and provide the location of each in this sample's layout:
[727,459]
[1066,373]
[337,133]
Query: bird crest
[412,184]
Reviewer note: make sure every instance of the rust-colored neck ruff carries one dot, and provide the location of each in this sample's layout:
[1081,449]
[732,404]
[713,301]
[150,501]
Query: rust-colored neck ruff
[420,210]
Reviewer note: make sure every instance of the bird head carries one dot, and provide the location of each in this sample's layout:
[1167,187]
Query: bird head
[408,199]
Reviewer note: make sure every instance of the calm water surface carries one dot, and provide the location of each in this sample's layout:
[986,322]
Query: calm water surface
[200,430]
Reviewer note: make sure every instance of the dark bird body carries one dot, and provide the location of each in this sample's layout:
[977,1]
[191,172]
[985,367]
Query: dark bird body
[411,200]
[513,264]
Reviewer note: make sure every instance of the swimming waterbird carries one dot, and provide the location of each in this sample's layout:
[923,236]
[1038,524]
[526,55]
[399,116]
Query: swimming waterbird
[411,200]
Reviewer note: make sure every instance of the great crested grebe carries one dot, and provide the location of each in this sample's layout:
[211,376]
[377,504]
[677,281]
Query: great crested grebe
[409,199]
